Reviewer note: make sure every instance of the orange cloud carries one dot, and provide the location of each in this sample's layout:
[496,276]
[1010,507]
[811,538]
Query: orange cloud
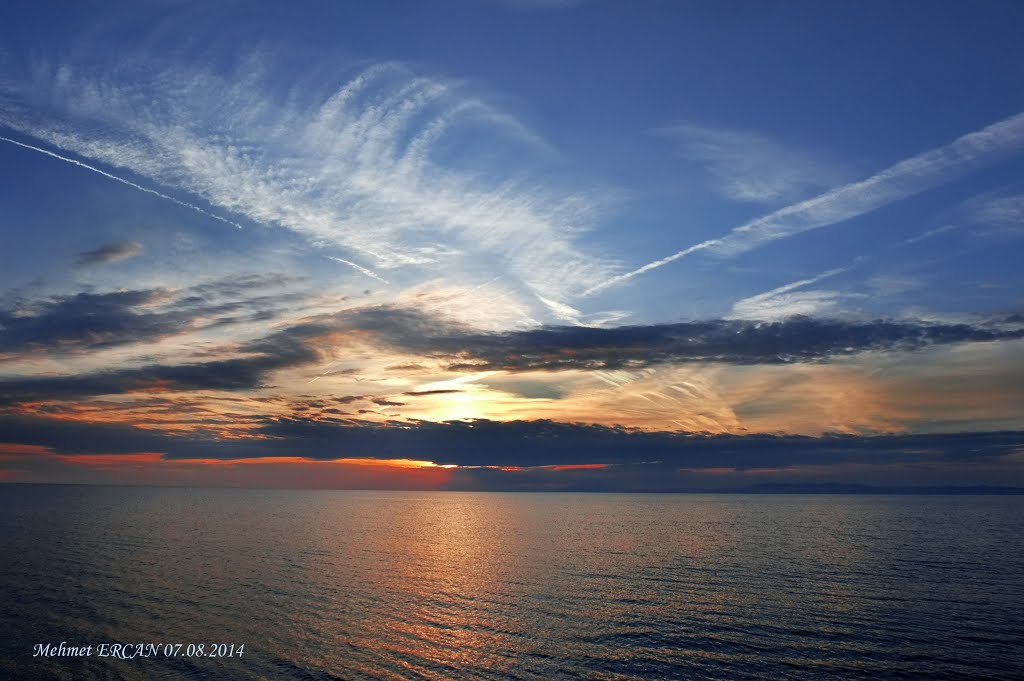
[40,464]
[12,449]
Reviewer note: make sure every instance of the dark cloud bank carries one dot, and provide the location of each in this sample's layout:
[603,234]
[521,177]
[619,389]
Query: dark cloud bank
[93,321]
[636,459]
[798,339]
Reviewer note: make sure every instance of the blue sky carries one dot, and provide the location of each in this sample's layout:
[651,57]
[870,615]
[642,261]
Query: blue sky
[185,186]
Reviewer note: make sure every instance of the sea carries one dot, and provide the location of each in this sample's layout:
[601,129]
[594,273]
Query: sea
[324,585]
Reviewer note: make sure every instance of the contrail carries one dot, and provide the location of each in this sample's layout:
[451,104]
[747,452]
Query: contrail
[322,373]
[910,176]
[360,268]
[760,306]
[104,173]
[650,266]
[804,282]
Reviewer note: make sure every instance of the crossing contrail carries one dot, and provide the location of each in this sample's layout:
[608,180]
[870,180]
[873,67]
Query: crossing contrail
[899,181]
[131,184]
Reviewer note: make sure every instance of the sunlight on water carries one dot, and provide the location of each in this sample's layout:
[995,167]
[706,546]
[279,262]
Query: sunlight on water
[395,585]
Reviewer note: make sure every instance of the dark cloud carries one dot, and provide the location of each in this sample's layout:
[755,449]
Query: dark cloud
[526,444]
[798,339]
[385,402]
[262,357]
[242,286]
[109,253]
[244,295]
[530,388]
[421,393]
[92,321]
[101,316]
[723,341]
[539,443]
[89,321]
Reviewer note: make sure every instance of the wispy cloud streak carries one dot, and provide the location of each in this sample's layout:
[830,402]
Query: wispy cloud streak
[749,167]
[899,181]
[928,234]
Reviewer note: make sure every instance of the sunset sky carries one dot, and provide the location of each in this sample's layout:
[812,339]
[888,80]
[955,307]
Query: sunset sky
[512,244]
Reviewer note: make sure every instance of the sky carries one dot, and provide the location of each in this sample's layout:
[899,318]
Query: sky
[512,244]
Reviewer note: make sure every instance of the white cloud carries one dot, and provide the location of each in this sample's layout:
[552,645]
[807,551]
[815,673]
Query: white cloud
[561,311]
[766,307]
[748,167]
[356,172]
[782,302]
[998,216]
[894,284]
[491,305]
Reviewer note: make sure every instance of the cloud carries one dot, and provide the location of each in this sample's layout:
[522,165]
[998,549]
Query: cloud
[999,216]
[894,284]
[369,168]
[734,341]
[242,286]
[482,442]
[774,306]
[242,373]
[928,234]
[384,402]
[908,177]
[780,303]
[454,346]
[90,322]
[110,253]
[749,167]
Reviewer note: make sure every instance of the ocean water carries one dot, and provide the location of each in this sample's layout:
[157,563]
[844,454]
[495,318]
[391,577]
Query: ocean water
[321,585]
